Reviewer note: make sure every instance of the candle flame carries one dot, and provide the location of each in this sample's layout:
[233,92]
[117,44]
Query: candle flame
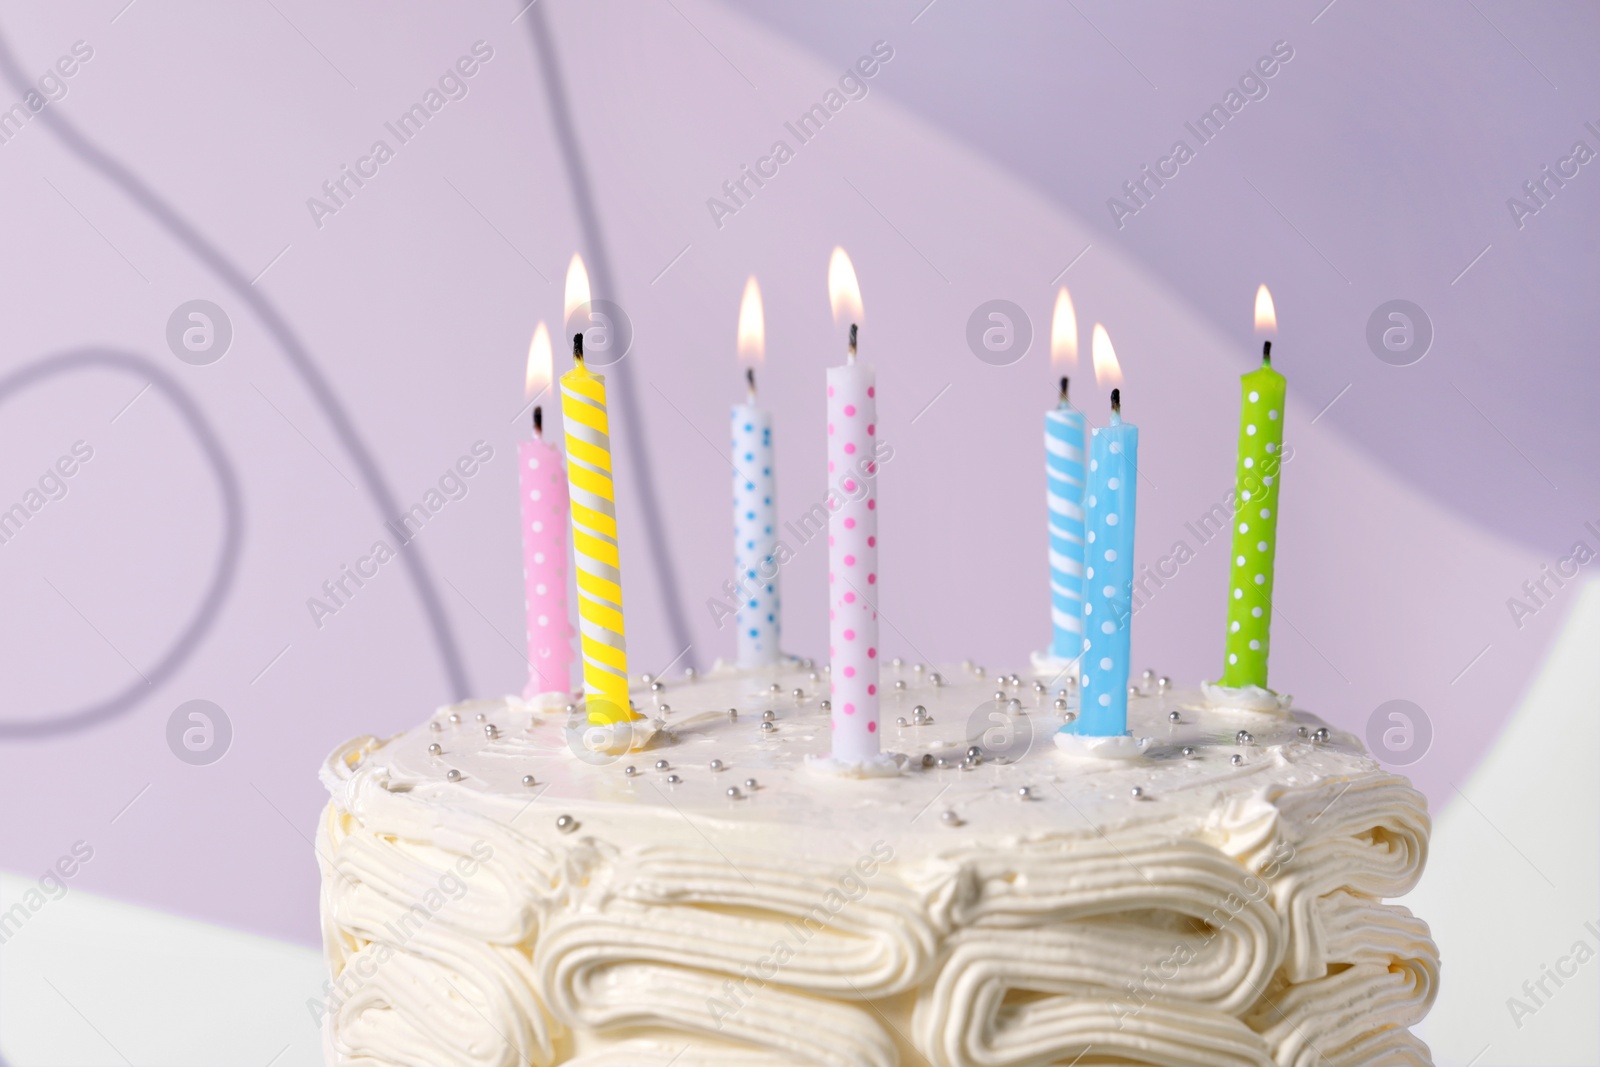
[539,357]
[577,288]
[752,325]
[1107,371]
[1064,333]
[1266,314]
[844,293]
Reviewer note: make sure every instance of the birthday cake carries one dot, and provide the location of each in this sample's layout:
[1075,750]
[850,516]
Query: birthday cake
[497,892]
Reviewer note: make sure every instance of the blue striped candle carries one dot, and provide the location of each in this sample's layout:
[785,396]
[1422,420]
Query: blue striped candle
[1108,576]
[1063,443]
[754,533]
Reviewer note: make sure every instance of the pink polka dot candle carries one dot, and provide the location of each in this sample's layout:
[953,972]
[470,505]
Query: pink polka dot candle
[542,481]
[853,560]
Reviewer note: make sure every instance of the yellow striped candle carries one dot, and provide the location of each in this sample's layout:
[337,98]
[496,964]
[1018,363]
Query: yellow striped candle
[594,542]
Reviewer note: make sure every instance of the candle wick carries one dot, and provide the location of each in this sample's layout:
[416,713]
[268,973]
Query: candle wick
[750,380]
[577,348]
[1266,353]
[1064,384]
[1116,401]
[538,422]
[852,342]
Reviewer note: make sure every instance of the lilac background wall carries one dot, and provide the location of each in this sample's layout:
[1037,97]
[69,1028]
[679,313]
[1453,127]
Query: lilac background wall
[378,347]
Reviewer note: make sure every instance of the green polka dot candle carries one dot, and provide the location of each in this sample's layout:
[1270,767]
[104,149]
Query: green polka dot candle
[1255,529]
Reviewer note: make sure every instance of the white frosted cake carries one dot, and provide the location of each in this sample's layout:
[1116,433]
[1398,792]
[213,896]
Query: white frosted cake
[512,898]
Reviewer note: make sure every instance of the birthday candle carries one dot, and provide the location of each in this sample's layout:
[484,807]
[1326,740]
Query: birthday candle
[1108,572]
[852,538]
[1063,442]
[1255,530]
[594,541]
[543,482]
[755,516]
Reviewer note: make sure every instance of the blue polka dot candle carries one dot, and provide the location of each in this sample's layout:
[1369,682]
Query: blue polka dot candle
[755,516]
[1108,568]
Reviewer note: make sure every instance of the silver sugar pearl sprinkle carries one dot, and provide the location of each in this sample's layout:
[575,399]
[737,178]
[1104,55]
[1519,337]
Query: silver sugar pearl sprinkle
[1188,751]
[716,765]
[1173,716]
[750,783]
[974,752]
[1136,792]
[527,779]
[769,726]
[1040,687]
[491,731]
[435,726]
[999,696]
[1237,760]
[1148,676]
[927,759]
[799,694]
[1321,734]
[1133,690]
[647,678]
[434,749]
[827,705]
[733,713]
[566,823]
[1163,682]
[768,716]
[673,779]
[452,775]
[1025,792]
[656,687]
[570,708]
[1014,705]
[919,712]
[666,709]
[629,771]
[454,717]
[662,764]
[774,688]
[936,678]
[978,671]
[1302,731]
[899,683]
[690,673]
[901,721]
[1061,704]
[1070,716]
[1244,737]
[814,677]
[897,662]
[949,818]
[733,792]
[920,668]
[481,717]
[942,762]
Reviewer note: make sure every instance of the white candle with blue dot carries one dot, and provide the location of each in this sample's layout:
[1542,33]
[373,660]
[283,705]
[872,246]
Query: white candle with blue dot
[755,515]
[1110,501]
[1063,442]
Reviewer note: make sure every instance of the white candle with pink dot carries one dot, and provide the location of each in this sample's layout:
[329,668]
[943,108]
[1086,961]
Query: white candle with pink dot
[852,538]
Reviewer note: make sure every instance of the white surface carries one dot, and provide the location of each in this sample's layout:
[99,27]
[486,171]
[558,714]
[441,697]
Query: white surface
[90,981]
[1509,888]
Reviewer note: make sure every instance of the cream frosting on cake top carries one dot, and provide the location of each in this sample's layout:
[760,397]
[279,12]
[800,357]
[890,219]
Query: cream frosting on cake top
[1216,900]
